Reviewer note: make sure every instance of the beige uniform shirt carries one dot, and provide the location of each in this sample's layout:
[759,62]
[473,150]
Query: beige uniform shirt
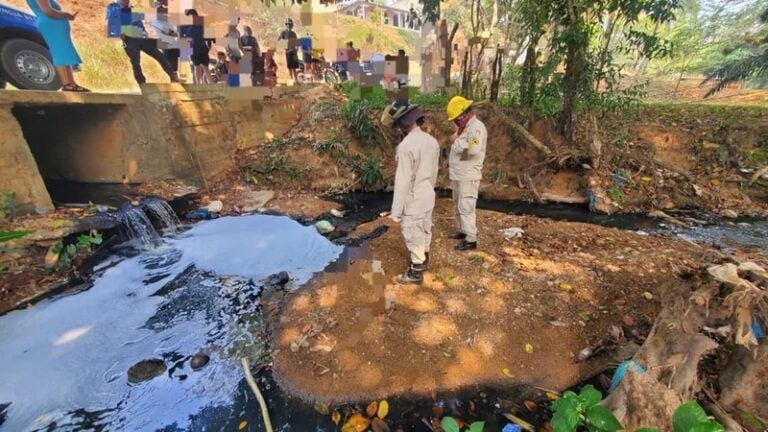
[417,160]
[472,139]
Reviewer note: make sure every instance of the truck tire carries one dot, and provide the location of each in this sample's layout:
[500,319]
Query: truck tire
[27,65]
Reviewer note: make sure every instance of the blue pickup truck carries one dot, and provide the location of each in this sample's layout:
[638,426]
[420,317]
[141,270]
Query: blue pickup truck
[25,61]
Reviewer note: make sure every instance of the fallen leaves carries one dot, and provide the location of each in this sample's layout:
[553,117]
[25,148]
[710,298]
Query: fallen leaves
[321,408]
[383,409]
[529,348]
[336,417]
[508,373]
[378,425]
[356,423]
[372,409]
[243,424]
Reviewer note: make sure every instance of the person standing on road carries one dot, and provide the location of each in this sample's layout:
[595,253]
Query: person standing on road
[291,52]
[201,48]
[53,24]
[465,168]
[414,193]
[167,37]
[251,49]
[136,40]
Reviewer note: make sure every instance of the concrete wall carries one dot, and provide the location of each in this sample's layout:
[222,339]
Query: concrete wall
[171,131]
[18,170]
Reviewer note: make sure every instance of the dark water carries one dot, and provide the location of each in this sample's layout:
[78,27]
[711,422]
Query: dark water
[65,359]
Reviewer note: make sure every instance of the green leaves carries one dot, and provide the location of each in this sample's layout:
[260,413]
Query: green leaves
[477,426]
[590,396]
[602,419]
[449,424]
[566,414]
[572,410]
[12,235]
[691,417]
[687,416]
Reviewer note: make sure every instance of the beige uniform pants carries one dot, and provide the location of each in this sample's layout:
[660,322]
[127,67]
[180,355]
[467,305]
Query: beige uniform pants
[464,202]
[417,231]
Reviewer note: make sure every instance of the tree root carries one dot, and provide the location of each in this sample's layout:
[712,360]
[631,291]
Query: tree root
[257,392]
[724,306]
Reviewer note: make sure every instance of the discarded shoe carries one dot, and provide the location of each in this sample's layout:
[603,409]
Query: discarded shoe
[414,275]
[457,236]
[465,246]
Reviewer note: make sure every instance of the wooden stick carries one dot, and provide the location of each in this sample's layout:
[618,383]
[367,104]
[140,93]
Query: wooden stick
[255,388]
[517,127]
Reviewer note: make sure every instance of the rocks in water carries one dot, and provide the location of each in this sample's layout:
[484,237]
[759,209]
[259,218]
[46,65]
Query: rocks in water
[145,370]
[277,279]
[729,214]
[200,214]
[251,201]
[215,206]
[337,213]
[199,361]
[324,227]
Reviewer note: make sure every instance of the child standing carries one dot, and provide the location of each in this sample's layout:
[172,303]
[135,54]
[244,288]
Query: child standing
[270,72]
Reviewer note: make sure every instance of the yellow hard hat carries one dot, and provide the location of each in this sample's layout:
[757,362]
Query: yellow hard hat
[456,107]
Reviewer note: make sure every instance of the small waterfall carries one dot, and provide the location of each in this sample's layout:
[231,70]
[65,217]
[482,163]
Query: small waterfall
[163,211]
[138,226]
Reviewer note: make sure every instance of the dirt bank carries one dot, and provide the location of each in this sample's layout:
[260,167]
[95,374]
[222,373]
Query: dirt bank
[684,157]
[516,311]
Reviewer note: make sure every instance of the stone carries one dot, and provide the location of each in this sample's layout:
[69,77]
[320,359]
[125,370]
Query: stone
[729,214]
[251,201]
[199,360]
[215,206]
[324,227]
[145,370]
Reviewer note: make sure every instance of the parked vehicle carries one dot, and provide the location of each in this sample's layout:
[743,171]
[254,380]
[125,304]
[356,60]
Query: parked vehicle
[25,61]
[323,72]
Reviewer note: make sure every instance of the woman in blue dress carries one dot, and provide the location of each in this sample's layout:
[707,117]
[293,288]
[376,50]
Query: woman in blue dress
[53,24]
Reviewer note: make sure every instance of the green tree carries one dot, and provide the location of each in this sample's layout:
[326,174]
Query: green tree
[746,60]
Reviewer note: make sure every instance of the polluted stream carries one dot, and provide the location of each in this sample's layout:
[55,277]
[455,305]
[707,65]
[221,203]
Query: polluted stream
[196,290]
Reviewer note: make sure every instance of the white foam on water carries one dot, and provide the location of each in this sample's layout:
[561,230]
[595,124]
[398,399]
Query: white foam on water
[73,352]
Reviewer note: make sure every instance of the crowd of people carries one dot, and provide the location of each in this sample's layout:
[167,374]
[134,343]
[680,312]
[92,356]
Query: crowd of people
[168,40]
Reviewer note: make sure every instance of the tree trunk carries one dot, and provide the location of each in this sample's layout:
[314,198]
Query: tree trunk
[497,72]
[604,47]
[575,61]
[528,77]
[449,55]
[466,70]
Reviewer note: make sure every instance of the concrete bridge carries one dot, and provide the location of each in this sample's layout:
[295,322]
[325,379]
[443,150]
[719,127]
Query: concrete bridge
[170,131]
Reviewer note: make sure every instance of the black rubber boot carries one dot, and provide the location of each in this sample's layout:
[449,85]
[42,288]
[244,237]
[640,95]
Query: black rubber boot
[465,246]
[414,275]
[457,236]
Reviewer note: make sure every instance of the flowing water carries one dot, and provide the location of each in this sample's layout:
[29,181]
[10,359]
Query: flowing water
[138,226]
[65,359]
[163,211]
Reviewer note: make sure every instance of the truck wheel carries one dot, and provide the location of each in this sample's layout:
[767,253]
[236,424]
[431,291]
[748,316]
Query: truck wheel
[27,65]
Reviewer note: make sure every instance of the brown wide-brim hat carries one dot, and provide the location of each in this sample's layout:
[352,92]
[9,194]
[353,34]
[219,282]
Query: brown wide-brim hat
[410,117]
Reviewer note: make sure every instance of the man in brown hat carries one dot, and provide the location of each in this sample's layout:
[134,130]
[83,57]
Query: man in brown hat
[414,192]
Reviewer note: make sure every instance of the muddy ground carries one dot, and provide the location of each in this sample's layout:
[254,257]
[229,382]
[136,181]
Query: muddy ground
[518,310]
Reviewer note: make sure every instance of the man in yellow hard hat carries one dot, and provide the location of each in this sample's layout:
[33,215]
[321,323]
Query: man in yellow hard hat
[466,168]
[418,155]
